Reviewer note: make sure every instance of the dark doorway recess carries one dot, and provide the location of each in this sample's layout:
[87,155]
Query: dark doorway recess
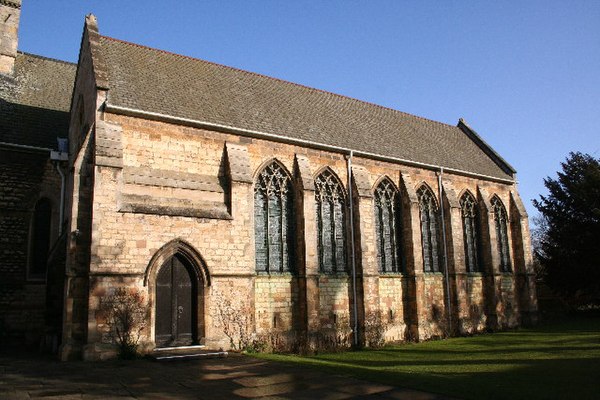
[177,304]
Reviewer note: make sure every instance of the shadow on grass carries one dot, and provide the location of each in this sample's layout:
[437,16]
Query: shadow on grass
[486,379]
[540,379]
[556,361]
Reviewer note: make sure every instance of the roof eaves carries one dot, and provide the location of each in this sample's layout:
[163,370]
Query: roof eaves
[466,132]
[46,58]
[283,81]
[11,3]
[286,139]
[487,149]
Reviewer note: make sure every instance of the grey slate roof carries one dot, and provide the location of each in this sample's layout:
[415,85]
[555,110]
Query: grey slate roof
[34,103]
[156,81]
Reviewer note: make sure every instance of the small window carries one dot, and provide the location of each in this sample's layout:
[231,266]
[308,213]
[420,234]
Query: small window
[388,228]
[331,222]
[273,220]
[429,229]
[501,221]
[40,238]
[471,232]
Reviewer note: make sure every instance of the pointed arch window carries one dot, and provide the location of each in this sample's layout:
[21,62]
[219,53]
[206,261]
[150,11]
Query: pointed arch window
[471,232]
[40,238]
[388,228]
[501,221]
[429,229]
[331,222]
[273,220]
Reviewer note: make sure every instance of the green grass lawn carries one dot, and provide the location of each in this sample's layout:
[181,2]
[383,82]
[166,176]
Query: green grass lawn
[555,360]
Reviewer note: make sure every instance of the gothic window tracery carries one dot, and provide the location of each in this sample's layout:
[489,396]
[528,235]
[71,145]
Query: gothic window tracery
[429,229]
[273,220]
[471,232]
[388,227]
[501,221]
[331,225]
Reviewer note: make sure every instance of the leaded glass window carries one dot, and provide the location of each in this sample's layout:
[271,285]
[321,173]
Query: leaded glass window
[388,227]
[273,220]
[331,225]
[471,233]
[429,229]
[501,221]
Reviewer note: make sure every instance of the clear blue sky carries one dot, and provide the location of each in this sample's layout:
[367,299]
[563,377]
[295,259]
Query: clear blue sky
[524,74]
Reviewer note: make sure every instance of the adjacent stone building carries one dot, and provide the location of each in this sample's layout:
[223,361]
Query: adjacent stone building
[244,207]
[35,96]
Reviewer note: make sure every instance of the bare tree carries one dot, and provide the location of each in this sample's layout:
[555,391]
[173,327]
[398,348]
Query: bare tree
[126,314]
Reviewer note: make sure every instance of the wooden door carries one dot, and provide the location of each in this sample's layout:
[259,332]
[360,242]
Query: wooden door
[175,305]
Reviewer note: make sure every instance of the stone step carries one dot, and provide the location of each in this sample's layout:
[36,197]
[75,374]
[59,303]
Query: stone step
[186,353]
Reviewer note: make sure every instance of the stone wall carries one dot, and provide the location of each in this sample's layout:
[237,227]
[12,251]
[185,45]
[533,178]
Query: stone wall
[474,318]
[26,177]
[156,183]
[10,12]
[393,309]
[277,311]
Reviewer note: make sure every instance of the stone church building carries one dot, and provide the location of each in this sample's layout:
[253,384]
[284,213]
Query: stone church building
[242,207]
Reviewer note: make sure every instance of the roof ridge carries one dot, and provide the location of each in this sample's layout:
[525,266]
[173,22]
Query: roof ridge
[46,58]
[278,79]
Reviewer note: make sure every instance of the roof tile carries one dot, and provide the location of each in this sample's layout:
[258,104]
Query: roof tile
[160,82]
[34,103]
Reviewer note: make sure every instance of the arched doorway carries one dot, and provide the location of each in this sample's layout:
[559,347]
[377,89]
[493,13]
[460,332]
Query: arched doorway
[177,278]
[179,308]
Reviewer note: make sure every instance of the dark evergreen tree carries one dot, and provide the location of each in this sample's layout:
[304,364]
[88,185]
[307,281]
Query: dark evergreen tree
[569,246]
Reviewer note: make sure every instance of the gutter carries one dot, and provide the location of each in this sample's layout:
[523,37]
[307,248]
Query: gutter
[132,112]
[56,162]
[25,147]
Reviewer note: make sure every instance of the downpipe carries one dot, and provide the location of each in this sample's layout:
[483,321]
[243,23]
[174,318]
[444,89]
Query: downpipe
[352,248]
[445,247]
[61,211]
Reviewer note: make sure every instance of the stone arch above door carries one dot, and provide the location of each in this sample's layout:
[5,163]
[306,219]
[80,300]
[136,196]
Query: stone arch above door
[186,251]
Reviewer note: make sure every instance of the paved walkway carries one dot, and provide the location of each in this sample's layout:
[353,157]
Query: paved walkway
[227,378]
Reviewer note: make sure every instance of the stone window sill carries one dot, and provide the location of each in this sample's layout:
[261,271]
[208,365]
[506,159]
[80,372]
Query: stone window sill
[392,274]
[341,273]
[275,273]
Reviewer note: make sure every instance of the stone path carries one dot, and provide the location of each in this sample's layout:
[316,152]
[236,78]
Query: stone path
[227,378]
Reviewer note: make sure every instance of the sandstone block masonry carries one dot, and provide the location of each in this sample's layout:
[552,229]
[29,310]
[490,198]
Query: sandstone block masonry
[314,256]
[177,191]
[26,177]
[10,12]
[234,206]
